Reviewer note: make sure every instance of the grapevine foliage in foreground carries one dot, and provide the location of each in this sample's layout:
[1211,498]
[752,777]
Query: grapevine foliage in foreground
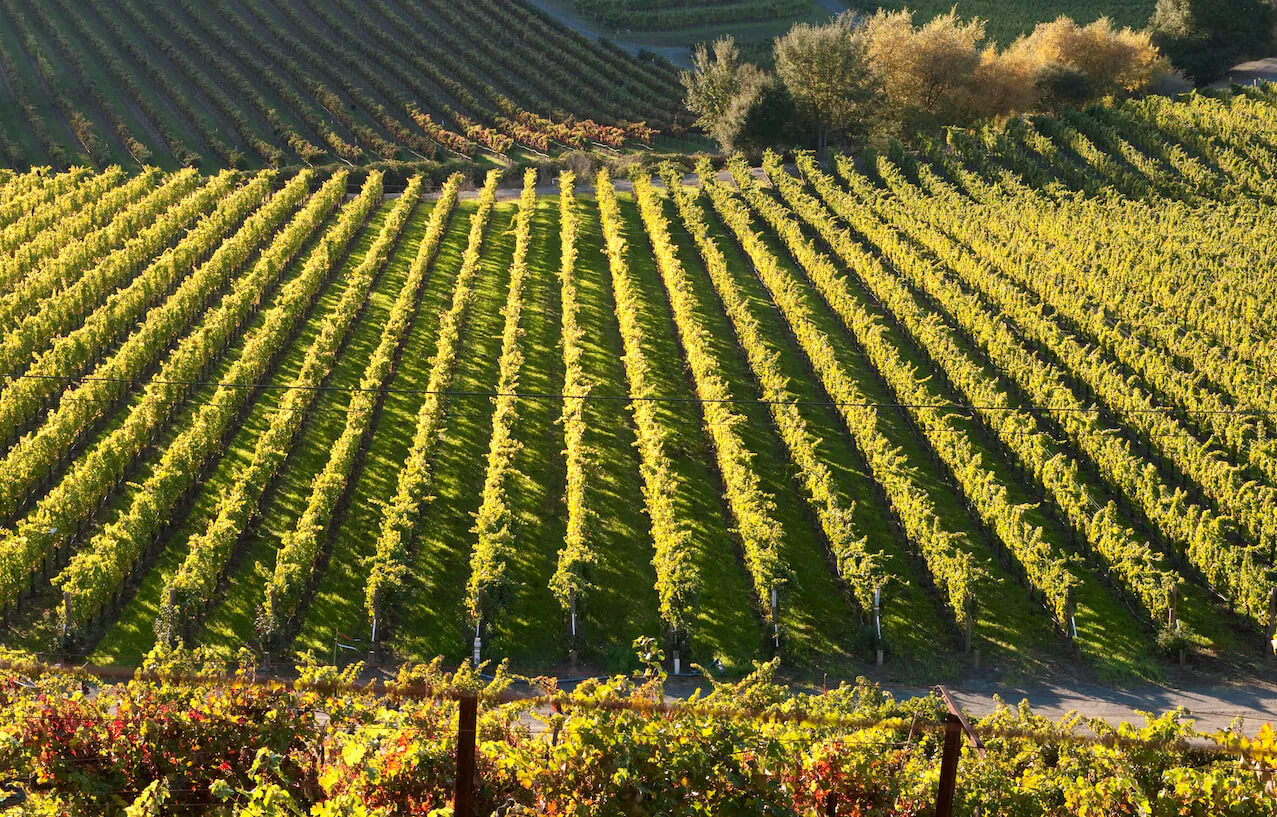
[132,744]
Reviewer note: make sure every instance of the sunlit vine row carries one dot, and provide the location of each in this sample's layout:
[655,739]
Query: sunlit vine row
[389,563]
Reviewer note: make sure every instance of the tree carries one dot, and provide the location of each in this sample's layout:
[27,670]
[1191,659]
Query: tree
[826,70]
[717,78]
[1003,84]
[926,72]
[1062,86]
[1114,61]
[1204,38]
[763,115]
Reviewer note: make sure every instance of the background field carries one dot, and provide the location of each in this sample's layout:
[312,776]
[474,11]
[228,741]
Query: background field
[312,82]
[1005,20]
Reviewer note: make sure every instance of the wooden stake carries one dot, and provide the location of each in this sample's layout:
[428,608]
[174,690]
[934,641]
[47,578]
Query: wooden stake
[467,721]
[949,766]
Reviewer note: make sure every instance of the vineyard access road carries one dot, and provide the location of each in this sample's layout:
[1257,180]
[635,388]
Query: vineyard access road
[1212,706]
[1247,73]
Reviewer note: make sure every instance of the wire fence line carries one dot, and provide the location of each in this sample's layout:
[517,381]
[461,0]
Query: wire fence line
[630,398]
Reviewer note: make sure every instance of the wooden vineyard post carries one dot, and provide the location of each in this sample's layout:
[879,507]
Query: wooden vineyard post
[775,623]
[949,766]
[572,616]
[478,624]
[1070,620]
[1172,620]
[467,723]
[955,725]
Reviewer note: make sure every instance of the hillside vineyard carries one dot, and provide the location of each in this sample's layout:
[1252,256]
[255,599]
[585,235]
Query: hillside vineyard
[1012,394]
[316,82]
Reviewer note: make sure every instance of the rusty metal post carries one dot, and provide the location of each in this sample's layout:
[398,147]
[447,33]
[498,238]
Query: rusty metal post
[949,766]
[467,723]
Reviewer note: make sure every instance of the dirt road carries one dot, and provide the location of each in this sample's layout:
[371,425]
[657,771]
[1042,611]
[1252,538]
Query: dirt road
[1213,707]
[1248,72]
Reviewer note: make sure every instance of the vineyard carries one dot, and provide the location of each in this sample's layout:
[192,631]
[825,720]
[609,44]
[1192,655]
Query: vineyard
[1001,402]
[313,82]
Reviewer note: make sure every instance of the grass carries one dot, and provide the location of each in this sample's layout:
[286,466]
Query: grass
[338,600]
[1121,652]
[136,472]
[132,635]
[743,31]
[822,628]
[251,80]
[268,98]
[142,128]
[817,619]
[624,604]
[232,622]
[727,625]
[1116,651]
[432,620]
[532,630]
[1004,21]
[1012,631]
[206,110]
[1106,639]
[909,616]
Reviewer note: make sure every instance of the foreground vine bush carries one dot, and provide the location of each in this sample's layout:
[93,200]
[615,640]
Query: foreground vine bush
[242,748]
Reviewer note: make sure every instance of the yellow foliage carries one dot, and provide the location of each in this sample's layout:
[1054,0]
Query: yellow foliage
[926,67]
[1116,61]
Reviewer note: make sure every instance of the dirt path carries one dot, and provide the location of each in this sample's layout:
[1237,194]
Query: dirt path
[1249,72]
[1213,707]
